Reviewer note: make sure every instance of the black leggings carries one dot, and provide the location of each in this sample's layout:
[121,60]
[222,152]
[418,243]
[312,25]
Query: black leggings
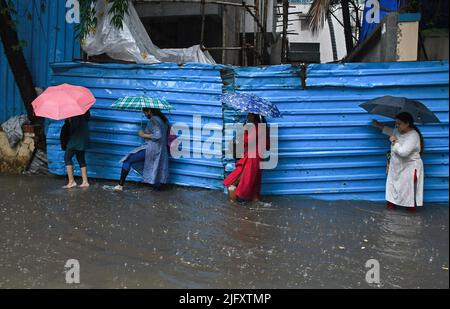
[80,157]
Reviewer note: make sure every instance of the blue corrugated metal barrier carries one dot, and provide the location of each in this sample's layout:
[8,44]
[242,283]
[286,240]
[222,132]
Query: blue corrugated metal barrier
[192,89]
[327,147]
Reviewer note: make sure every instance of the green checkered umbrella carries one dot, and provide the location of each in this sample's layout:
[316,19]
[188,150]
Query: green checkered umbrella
[140,102]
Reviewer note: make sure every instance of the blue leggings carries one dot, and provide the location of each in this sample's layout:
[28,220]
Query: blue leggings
[132,159]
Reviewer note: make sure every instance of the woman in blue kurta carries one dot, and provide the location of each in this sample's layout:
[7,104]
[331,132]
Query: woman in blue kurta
[151,160]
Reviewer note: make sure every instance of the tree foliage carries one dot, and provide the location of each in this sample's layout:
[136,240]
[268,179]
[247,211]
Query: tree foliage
[10,10]
[321,10]
[88,19]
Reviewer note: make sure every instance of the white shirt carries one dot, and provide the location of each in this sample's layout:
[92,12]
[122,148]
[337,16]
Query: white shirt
[405,162]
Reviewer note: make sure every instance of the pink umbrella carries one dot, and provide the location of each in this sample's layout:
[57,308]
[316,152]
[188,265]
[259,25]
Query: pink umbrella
[63,101]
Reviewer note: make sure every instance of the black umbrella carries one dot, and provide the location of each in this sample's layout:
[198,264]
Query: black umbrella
[389,106]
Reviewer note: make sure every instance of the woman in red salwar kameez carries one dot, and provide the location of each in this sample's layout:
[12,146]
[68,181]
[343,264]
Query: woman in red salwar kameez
[245,181]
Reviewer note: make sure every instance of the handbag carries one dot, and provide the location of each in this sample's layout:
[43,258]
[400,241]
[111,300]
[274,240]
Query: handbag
[170,137]
[65,135]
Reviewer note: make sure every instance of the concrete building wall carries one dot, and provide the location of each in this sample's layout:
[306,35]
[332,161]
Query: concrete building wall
[271,17]
[323,37]
[149,8]
[233,20]
[408,41]
[395,39]
[436,46]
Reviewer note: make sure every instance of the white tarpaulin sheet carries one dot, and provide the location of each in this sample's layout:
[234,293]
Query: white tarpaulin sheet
[133,43]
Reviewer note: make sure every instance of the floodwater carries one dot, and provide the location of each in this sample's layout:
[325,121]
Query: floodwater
[190,238]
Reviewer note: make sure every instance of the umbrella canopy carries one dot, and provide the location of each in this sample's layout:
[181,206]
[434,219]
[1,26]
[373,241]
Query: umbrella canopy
[63,101]
[137,103]
[389,106]
[251,103]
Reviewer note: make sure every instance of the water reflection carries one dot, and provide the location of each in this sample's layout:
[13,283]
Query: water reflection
[187,238]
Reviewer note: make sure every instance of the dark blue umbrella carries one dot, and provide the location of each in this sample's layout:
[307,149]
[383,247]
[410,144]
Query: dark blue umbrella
[251,103]
[389,106]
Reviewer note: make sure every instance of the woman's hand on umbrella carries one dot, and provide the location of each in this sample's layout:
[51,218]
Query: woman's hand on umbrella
[377,124]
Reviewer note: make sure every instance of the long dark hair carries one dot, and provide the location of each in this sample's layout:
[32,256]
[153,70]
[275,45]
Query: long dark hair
[87,115]
[157,112]
[407,118]
[258,118]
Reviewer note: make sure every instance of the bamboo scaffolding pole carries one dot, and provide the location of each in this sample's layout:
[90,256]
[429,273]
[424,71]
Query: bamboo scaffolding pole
[202,33]
[284,46]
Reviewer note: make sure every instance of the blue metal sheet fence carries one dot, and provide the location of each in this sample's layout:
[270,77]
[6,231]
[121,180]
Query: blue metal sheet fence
[48,38]
[327,147]
[192,89]
[10,99]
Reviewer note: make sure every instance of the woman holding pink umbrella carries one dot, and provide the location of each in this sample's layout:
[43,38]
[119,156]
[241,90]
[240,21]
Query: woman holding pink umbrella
[77,143]
[71,103]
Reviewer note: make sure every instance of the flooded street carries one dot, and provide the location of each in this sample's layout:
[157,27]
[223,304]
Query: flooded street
[189,238]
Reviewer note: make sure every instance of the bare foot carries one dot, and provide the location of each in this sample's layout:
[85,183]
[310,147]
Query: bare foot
[118,188]
[232,194]
[261,203]
[85,185]
[70,185]
[232,201]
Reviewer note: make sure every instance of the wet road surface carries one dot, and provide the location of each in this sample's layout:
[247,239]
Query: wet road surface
[190,238]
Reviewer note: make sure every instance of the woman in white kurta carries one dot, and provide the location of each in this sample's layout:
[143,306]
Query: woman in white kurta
[404,185]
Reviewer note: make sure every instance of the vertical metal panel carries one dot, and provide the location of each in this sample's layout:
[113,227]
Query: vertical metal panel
[49,39]
[327,146]
[192,89]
